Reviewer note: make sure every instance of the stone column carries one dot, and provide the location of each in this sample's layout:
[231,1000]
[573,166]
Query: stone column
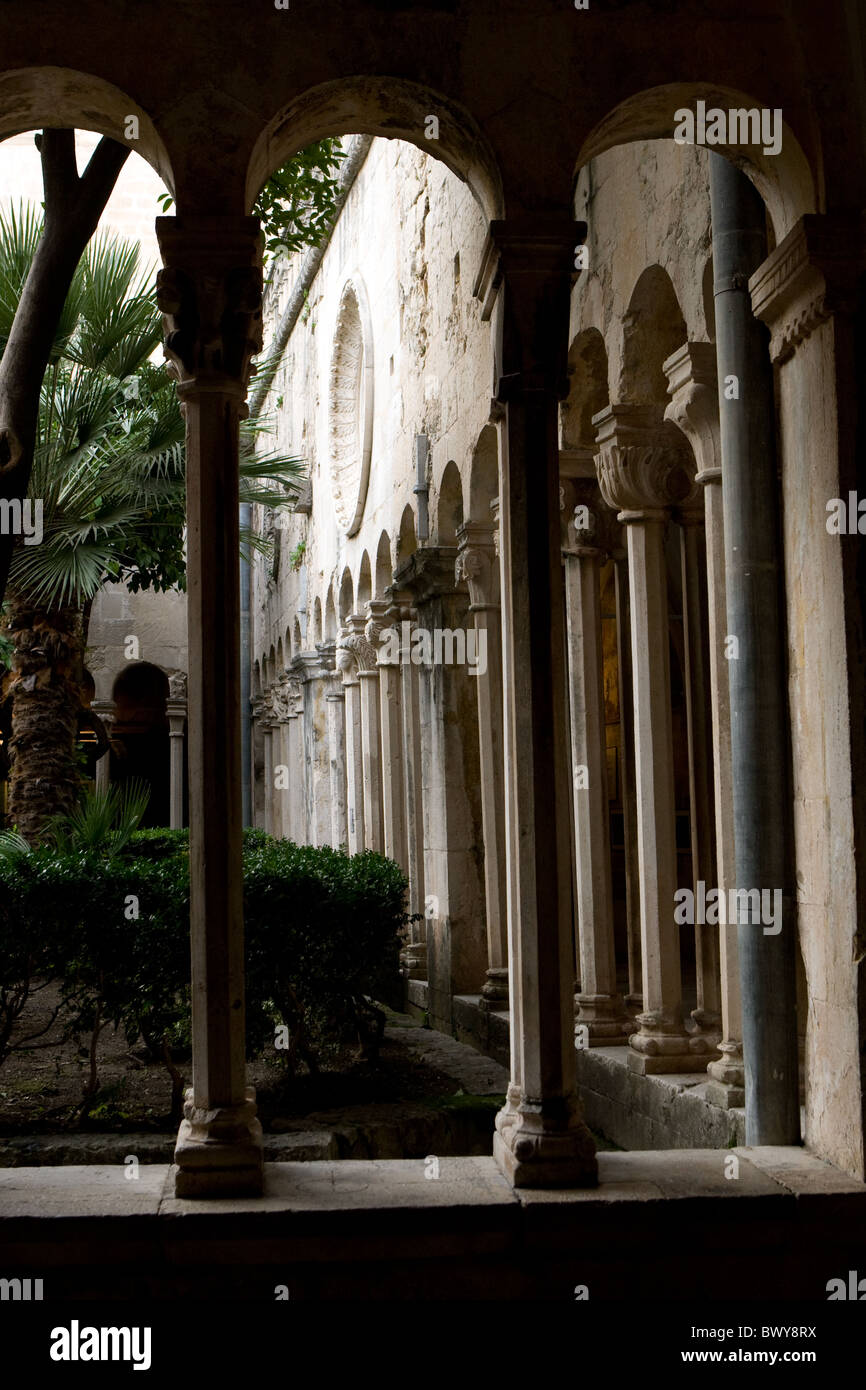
[176,711]
[694,407]
[104,709]
[210,295]
[414,955]
[336,702]
[281,755]
[693,559]
[643,471]
[808,292]
[478,565]
[541,1139]
[371,740]
[315,670]
[381,624]
[296,757]
[268,724]
[257,708]
[347,665]
[599,1004]
[634,998]
[456,944]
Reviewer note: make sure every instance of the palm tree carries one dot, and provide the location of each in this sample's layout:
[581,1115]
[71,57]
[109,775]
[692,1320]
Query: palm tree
[109,476]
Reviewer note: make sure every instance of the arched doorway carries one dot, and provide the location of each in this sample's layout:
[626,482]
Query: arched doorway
[140,738]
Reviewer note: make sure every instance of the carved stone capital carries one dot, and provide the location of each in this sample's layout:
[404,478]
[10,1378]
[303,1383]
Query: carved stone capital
[644,467]
[428,573]
[377,620]
[355,654]
[210,294]
[811,275]
[177,684]
[588,527]
[694,404]
[477,564]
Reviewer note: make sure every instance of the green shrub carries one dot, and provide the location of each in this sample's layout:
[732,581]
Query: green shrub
[323,934]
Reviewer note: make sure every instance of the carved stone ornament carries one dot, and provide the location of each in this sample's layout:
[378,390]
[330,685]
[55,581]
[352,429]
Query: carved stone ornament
[643,477]
[177,682]
[350,408]
[355,651]
[210,294]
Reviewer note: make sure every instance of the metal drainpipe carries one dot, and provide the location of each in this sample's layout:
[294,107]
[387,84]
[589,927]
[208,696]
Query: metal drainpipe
[759,710]
[246,725]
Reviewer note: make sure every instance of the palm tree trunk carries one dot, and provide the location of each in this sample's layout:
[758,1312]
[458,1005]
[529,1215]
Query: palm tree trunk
[44,686]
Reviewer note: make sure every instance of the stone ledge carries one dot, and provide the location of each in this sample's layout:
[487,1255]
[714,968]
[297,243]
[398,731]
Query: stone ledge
[362,1230]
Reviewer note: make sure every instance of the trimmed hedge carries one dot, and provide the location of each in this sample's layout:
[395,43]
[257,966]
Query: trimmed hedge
[323,932]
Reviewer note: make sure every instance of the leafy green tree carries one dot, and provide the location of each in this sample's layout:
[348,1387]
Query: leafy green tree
[109,476]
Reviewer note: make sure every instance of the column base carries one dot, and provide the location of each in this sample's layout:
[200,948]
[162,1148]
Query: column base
[219,1152]
[494,991]
[544,1143]
[604,1016]
[662,1046]
[413,961]
[726,1086]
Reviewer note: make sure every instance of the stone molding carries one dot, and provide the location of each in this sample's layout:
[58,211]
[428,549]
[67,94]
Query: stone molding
[477,565]
[429,573]
[210,294]
[350,406]
[810,276]
[643,466]
[601,536]
[694,405]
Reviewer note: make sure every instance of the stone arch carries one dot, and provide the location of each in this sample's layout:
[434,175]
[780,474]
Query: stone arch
[449,506]
[407,542]
[257,681]
[318,635]
[139,735]
[297,636]
[347,596]
[280,660]
[330,629]
[653,328]
[384,569]
[387,106]
[272,665]
[785,181]
[365,583]
[588,389]
[351,405]
[288,644]
[33,98]
[484,475]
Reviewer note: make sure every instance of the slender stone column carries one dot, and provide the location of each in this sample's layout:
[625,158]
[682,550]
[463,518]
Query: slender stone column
[315,669]
[634,998]
[599,1004]
[336,702]
[296,759]
[694,407]
[478,565]
[381,626]
[104,709]
[347,665]
[456,937]
[281,756]
[643,471]
[414,955]
[257,707]
[541,1139]
[809,293]
[176,711]
[366,769]
[268,724]
[698,724]
[210,295]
